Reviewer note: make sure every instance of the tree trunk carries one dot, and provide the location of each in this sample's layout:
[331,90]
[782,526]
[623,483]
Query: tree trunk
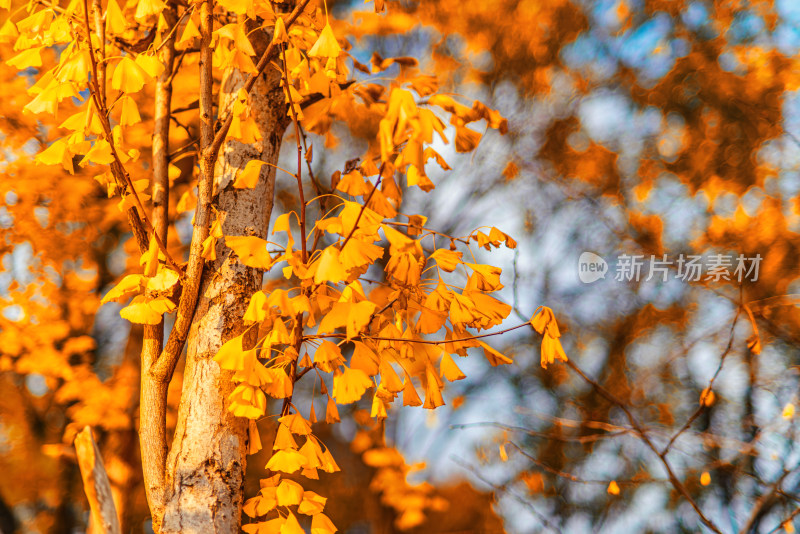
[206,464]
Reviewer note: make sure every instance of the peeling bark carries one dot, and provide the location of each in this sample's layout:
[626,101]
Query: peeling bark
[206,464]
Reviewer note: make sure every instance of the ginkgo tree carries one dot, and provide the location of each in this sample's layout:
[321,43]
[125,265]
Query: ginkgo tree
[177,111]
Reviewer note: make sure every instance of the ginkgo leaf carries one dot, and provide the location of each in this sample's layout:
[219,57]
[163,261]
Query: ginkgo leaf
[350,385]
[256,310]
[551,349]
[190,32]
[280,385]
[495,358]
[296,423]
[447,260]
[364,358]
[247,401]
[143,311]
[358,253]
[329,268]
[252,251]
[100,153]
[147,8]
[254,438]
[8,32]
[320,524]
[129,114]
[231,355]
[449,369]
[165,279]
[328,356]
[248,177]
[287,461]
[433,391]
[150,64]
[284,439]
[280,35]
[312,503]
[115,20]
[56,153]
[466,139]
[331,412]
[326,45]
[27,58]
[378,410]
[289,493]
[410,395]
[129,286]
[128,76]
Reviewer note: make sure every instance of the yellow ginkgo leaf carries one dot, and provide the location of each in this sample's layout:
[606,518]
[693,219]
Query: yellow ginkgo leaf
[247,401]
[296,423]
[252,251]
[280,35]
[321,524]
[8,32]
[256,310]
[27,58]
[56,153]
[329,268]
[165,279]
[289,493]
[447,260]
[125,289]
[287,461]
[190,32]
[129,114]
[449,369]
[410,395]
[248,177]
[150,64]
[143,311]
[100,153]
[495,358]
[128,76]
[613,488]
[231,355]
[788,411]
[312,503]
[349,386]
[148,8]
[115,20]
[326,45]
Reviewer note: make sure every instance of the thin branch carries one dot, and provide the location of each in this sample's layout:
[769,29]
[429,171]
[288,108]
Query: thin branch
[677,484]
[153,402]
[421,341]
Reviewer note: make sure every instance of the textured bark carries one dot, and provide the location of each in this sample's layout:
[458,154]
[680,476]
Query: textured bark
[206,463]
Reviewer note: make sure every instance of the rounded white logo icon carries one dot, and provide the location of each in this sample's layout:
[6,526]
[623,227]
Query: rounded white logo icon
[591,267]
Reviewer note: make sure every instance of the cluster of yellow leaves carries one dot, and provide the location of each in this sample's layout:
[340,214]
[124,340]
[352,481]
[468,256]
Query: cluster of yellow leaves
[288,497]
[544,322]
[410,501]
[325,322]
[152,295]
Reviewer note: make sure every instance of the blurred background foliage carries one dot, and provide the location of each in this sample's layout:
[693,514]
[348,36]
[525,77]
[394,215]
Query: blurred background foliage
[638,127]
